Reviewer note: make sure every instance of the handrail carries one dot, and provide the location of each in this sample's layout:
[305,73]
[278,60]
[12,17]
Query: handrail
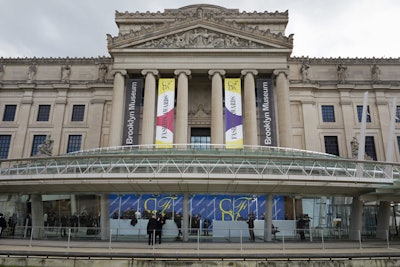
[251,160]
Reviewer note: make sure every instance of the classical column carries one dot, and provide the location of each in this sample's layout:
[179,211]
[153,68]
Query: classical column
[185,217]
[283,108]
[250,115]
[355,219]
[217,122]
[181,130]
[268,218]
[149,107]
[104,217]
[117,110]
[382,225]
[37,215]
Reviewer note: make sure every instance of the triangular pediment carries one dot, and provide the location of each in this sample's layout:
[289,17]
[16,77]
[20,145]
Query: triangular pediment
[200,34]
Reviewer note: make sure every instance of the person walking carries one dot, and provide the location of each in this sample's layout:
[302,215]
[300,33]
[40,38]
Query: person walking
[151,228]
[250,222]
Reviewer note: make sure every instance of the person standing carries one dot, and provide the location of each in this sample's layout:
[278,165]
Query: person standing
[206,225]
[178,222]
[151,228]
[250,223]
[3,223]
[12,222]
[159,225]
[301,224]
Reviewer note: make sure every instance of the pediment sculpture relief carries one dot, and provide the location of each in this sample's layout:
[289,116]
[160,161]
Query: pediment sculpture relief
[200,38]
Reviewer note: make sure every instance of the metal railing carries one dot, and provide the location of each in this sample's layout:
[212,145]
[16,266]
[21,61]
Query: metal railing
[237,238]
[184,160]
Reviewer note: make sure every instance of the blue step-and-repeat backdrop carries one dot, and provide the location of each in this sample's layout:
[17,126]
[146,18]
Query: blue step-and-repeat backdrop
[213,207]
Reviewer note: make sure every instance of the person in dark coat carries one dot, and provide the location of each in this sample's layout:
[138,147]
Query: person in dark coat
[178,222]
[3,223]
[151,228]
[160,223]
[250,222]
[301,224]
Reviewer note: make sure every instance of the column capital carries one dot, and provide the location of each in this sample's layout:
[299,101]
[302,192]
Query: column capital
[121,71]
[245,72]
[154,72]
[212,72]
[186,72]
[283,71]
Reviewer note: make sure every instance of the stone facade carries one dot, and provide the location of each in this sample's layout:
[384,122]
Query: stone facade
[201,40]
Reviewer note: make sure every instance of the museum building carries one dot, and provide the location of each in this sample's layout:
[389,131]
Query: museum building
[201,110]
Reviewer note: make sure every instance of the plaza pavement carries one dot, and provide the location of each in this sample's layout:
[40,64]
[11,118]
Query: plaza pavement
[205,250]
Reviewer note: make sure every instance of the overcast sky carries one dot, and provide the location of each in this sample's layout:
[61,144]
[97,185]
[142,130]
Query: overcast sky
[78,28]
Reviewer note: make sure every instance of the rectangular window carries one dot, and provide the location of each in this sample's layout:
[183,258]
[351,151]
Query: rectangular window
[359,113]
[200,138]
[9,112]
[74,143]
[328,113]
[78,113]
[398,143]
[5,141]
[331,145]
[397,114]
[37,140]
[370,147]
[43,113]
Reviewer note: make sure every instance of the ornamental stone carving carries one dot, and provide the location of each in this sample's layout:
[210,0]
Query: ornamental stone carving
[375,73]
[103,70]
[260,27]
[32,70]
[65,73]
[304,71]
[342,72]
[1,71]
[46,149]
[200,38]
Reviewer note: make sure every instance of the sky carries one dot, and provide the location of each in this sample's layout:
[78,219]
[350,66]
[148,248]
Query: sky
[78,28]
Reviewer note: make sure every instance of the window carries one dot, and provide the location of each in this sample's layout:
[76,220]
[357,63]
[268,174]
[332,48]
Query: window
[200,138]
[398,143]
[78,113]
[9,112]
[359,113]
[328,113]
[74,143]
[5,141]
[331,145]
[397,114]
[370,147]
[43,113]
[37,140]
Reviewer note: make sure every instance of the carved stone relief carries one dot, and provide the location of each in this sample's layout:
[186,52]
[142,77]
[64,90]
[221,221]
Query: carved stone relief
[200,38]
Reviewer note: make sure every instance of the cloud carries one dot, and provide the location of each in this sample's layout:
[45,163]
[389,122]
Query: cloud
[48,28]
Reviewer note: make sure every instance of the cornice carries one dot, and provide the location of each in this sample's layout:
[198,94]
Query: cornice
[207,9]
[192,15]
[329,61]
[56,61]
